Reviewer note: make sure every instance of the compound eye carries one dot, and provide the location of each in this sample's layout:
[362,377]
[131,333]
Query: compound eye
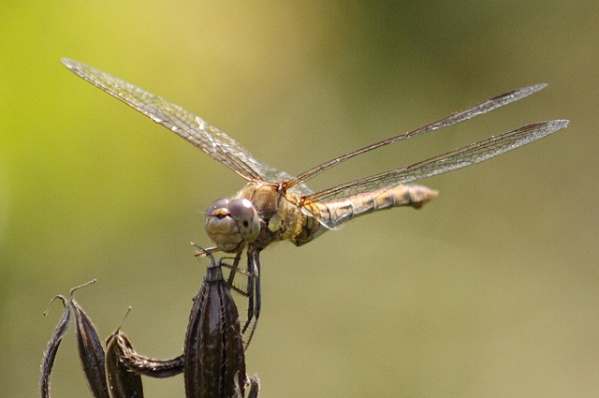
[246,218]
[213,210]
[222,228]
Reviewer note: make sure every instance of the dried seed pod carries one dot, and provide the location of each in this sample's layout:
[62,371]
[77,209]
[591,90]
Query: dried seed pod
[53,344]
[122,382]
[91,351]
[214,352]
[90,347]
[213,361]
[143,365]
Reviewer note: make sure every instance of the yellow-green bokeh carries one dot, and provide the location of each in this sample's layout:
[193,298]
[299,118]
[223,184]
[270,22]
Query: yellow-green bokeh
[492,290]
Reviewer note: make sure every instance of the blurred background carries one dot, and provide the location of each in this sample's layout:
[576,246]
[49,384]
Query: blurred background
[491,290]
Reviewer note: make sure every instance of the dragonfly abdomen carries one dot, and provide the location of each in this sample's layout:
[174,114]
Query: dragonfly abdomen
[335,213]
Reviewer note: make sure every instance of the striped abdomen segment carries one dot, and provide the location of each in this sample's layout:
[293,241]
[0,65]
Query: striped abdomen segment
[334,214]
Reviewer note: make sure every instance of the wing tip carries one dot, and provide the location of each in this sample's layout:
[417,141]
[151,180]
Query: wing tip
[528,90]
[556,125]
[537,87]
[68,62]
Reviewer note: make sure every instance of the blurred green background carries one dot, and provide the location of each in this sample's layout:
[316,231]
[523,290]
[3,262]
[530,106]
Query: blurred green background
[492,290]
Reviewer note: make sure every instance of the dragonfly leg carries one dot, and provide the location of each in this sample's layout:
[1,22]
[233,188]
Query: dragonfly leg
[252,291]
[254,384]
[234,269]
[254,295]
[204,252]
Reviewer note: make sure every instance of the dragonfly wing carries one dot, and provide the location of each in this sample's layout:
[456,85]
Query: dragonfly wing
[452,119]
[453,160]
[194,129]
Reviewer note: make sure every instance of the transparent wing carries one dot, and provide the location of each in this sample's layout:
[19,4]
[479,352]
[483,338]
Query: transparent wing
[452,119]
[453,160]
[194,129]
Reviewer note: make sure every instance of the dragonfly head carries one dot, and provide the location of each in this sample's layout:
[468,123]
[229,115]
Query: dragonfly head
[231,223]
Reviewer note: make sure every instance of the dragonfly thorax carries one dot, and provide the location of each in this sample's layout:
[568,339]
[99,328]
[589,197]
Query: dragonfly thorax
[232,222]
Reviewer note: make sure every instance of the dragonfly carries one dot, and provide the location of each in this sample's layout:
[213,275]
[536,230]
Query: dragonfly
[276,206]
